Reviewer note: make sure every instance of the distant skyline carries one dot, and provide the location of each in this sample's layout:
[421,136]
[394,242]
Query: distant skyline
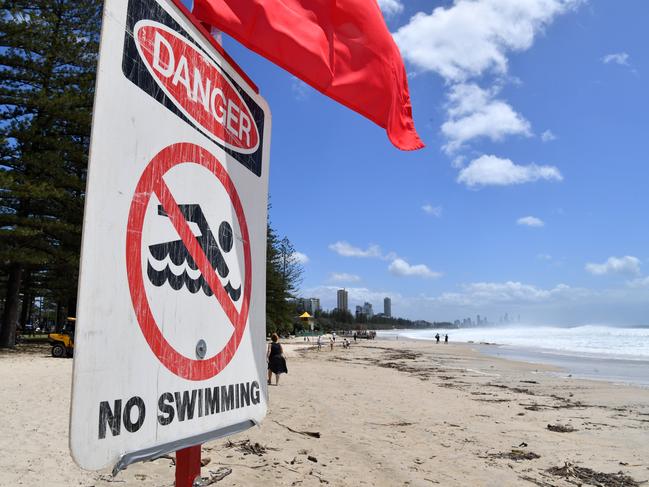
[531,195]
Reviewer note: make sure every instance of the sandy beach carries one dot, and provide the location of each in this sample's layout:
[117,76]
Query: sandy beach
[387,413]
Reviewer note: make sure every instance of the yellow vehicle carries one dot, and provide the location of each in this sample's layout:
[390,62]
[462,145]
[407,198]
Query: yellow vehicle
[63,341]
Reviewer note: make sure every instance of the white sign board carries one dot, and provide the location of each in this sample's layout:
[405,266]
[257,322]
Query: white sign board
[170,337]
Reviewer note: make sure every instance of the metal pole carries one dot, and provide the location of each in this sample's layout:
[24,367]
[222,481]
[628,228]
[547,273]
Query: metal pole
[188,466]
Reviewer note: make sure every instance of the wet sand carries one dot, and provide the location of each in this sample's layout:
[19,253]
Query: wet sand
[387,413]
[618,370]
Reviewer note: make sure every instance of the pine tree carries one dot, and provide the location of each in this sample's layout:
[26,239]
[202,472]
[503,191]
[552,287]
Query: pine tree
[48,51]
[283,277]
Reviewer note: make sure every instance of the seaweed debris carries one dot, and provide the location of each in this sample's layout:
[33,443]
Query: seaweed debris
[597,479]
[561,428]
[249,448]
[516,455]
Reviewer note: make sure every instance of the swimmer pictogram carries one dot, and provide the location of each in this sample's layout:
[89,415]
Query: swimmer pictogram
[178,254]
[200,259]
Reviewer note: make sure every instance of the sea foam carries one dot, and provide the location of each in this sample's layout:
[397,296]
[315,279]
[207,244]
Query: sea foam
[588,340]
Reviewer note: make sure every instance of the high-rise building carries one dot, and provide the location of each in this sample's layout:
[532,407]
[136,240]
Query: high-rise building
[342,300]
[359,312]
[310,305]
[367,310]
[387,307]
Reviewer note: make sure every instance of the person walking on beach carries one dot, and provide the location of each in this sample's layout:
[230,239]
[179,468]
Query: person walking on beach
[319,342]
[276,360]
[437,338]
[446,338]
[331,344]
[354,337]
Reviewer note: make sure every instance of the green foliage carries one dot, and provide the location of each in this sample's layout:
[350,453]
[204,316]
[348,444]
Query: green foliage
[344,320]
[283,277]
[48,53]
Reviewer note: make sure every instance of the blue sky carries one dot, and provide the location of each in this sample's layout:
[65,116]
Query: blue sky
[531,195]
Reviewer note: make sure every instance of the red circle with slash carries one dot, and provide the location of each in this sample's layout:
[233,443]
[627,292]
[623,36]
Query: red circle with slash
[151,183]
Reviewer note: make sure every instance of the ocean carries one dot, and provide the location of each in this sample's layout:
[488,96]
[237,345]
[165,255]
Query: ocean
[618,354]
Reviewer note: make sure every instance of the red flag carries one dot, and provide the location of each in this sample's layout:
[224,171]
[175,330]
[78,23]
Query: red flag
[340,47]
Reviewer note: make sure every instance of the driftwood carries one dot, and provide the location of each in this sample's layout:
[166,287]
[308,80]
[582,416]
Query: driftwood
[312,434]
[398,423]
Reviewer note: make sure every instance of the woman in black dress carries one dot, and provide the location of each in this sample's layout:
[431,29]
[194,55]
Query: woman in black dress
[276,360]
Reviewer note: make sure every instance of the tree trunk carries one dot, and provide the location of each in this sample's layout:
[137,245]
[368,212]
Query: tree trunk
[72,306]
[27,300]
[24,310]
[30,310]
[10,315]
[60,316]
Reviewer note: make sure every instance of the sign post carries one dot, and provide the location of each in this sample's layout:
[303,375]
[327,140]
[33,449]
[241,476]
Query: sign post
[170,335]
[188,465]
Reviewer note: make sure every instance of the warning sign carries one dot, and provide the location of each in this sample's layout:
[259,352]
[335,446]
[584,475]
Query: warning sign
[170,335]
[203,254]
[162,58]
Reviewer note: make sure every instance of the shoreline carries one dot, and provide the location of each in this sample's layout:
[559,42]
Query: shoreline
[387,413]
[614,370]
[600,367]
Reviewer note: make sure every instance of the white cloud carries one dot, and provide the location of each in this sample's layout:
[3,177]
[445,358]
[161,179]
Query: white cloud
[372,251]
[347,250]
[474,113]
[491,170]
[484,293]
[639,282]
[560,304]
[530,221]
[615,265]
[432,210]
[400,267]
[343,277]
[544,257]
[458,162]
[300,257]
[300,89]
[391,7]
[621,58]
[390,256]
[472,37]
[548,136]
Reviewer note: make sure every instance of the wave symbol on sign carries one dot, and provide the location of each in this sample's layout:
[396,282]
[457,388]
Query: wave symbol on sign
[178,255]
